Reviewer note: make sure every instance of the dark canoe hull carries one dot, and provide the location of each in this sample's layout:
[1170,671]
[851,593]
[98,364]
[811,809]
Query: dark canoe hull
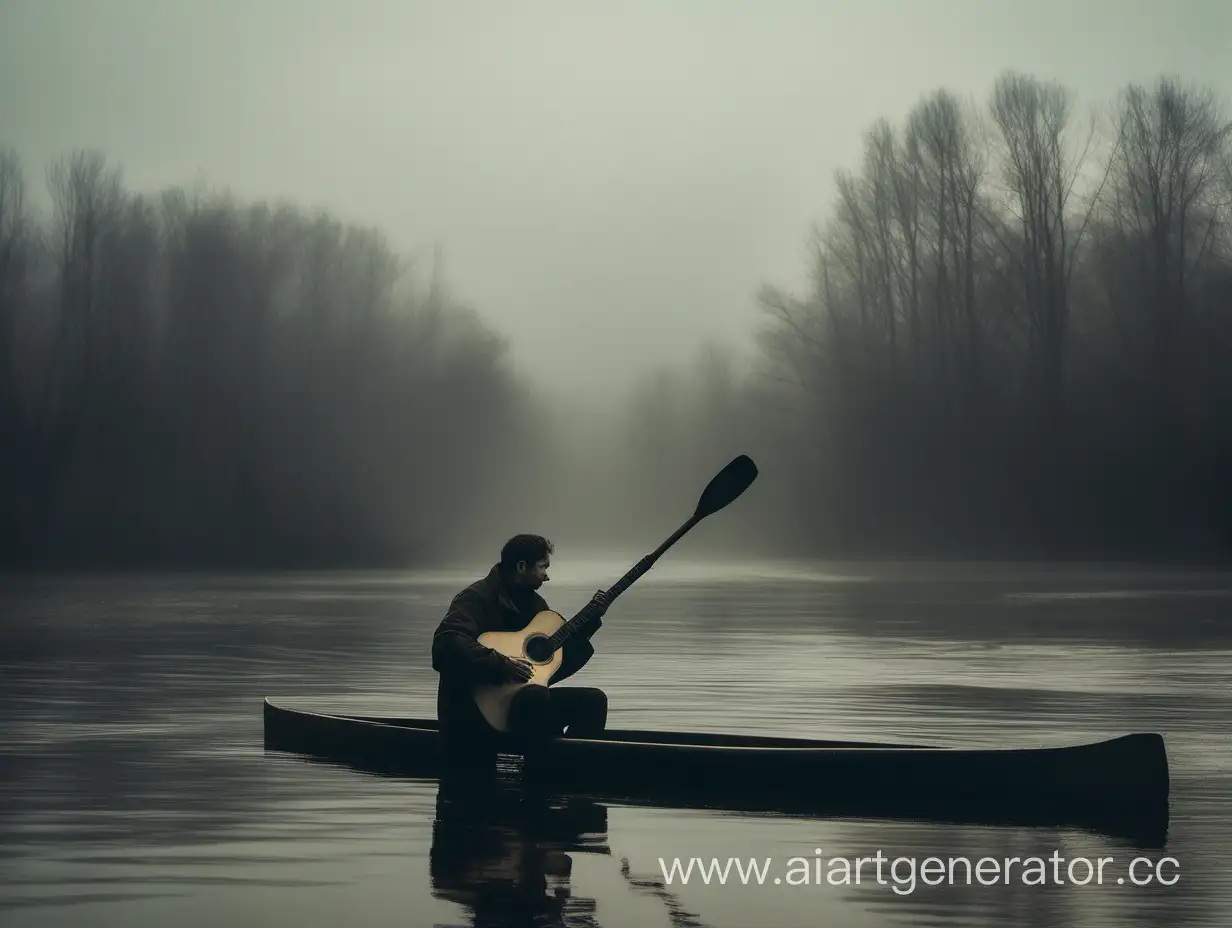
[1118,786]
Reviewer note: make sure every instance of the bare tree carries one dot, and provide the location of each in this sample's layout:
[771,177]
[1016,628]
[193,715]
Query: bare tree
[883,188]
[1040,172]
[16,445]
[1171,212]
[86,198]
[15,243]
[952,167]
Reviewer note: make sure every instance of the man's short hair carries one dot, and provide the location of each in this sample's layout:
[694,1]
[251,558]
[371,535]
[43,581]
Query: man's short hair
[528,548]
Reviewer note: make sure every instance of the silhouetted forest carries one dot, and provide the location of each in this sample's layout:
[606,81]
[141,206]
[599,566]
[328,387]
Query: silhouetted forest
[1018,341]
[186,379]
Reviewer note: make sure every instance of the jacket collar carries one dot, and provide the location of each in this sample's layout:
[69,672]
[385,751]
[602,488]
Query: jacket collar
[496,583]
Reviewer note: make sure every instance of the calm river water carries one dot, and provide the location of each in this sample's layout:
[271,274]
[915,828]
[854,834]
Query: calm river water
[135,791]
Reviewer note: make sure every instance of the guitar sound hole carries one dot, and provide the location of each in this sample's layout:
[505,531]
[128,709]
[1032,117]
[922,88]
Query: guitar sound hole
[538,649]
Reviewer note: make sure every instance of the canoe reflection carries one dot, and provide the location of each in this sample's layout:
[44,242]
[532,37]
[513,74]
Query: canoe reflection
[504,852]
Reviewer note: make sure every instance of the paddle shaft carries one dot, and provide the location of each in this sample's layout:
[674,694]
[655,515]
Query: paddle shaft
[648,561]
[585,616]
[726,485]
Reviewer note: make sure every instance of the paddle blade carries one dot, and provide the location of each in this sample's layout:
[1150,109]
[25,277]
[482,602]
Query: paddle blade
[727,484]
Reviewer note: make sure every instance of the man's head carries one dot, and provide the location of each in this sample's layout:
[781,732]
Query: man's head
[525,560]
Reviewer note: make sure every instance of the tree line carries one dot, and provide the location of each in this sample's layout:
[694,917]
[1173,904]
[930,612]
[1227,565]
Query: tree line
[1017,341]
[185,379]
[1019,334]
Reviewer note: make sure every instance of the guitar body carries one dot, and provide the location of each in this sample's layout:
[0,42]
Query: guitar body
[493,700]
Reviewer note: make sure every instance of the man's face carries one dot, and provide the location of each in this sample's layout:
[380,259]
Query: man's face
[533,576]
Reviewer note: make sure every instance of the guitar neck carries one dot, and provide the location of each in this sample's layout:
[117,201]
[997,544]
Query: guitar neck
[586,616]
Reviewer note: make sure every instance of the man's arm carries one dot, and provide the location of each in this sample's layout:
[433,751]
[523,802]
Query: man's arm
[456,648]
[575,653]
[578,650]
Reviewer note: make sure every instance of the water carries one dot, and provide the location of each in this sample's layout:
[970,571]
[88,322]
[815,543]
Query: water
[135,791]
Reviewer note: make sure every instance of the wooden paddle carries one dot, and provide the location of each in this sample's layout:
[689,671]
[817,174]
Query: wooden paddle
[724,488]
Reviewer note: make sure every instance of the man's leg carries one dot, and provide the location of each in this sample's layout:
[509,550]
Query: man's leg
[533,715]
[581,710]
[538,712]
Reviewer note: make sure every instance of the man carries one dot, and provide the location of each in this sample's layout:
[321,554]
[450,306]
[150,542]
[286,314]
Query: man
[506,600]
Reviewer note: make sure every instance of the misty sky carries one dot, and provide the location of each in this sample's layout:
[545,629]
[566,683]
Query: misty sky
[610,182]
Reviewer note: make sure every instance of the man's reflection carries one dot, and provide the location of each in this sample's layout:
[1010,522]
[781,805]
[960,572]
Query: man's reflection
[504,852]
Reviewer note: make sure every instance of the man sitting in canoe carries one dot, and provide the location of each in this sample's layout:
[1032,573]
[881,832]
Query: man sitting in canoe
[506,600]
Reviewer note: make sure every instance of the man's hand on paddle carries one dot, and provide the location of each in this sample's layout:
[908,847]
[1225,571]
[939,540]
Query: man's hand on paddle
[600,601]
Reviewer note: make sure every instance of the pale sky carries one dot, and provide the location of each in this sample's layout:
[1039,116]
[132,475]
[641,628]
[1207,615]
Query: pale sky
[611,182]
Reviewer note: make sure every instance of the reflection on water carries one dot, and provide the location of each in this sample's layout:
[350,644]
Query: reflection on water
[504,853]
[134,790]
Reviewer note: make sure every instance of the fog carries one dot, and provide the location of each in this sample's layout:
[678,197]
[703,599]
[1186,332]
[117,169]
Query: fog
[383,283]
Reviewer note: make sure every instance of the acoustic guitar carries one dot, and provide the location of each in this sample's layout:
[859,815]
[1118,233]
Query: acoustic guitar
[540,641]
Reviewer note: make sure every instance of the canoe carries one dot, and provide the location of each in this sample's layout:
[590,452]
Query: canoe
[1119,785]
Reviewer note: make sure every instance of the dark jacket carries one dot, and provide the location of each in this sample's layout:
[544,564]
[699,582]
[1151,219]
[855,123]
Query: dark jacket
[462,662]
